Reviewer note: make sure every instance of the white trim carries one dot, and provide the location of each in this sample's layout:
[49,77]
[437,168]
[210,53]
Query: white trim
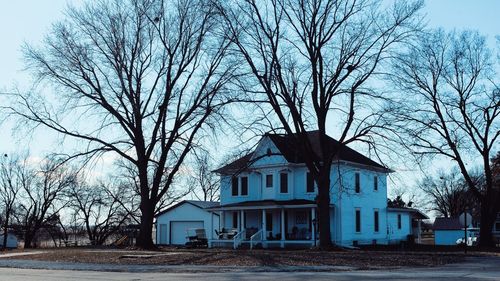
[233,208]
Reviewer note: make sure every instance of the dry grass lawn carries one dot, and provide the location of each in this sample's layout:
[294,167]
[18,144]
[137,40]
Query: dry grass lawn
[225,257]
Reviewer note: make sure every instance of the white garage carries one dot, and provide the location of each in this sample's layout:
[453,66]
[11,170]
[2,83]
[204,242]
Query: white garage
[172,224]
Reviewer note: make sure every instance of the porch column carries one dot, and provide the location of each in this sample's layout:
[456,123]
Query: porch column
[313,225]
[211,236]
[419,235]
[222,220]
[242,220]
[264,230]
[283,230]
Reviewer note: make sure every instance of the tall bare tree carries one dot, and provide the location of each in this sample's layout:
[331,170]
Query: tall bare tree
[141,79]
[312,62]
[449,105]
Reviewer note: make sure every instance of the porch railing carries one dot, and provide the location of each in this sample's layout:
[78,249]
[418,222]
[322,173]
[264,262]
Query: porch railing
[238,238]
[253,237]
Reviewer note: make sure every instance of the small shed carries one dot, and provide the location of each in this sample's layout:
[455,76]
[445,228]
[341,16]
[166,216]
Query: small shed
[447,231]
[11,241]
[172,223]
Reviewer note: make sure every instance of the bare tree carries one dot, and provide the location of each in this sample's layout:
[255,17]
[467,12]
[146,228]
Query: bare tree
[205,183]
[141,79]
[98,207]
[41,194]
[9,190]
[448,194]
[312,62]
[450,106]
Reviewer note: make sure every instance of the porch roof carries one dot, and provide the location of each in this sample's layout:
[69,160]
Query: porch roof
[266,204]
[417,214]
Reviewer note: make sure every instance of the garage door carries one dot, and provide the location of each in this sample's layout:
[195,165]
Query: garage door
[178,230]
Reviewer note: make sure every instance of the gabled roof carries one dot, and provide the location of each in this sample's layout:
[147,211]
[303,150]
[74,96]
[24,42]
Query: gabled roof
[447,224]
[196,203]
[289,148]
[236,165]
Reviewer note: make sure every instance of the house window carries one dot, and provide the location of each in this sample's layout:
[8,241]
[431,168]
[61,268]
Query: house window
[244,186]
[234,186]
[284,182]
[399,221]
[375,183]
[357,185]
[235,219]
[375,221]
[269,180]
[358,220]
[309,183]
[269,221]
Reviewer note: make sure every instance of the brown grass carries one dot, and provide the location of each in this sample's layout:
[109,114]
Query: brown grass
[225,257]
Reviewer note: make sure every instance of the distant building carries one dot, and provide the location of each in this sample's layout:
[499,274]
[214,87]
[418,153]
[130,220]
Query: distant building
[448,230]
[11,241]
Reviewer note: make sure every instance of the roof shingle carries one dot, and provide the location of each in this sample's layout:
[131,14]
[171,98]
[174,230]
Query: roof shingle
[289,148]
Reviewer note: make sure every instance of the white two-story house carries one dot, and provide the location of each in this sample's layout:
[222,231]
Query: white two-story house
[268,198]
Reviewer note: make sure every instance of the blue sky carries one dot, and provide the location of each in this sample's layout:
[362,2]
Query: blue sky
[28,20]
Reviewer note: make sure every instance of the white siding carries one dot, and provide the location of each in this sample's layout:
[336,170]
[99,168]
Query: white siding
[447,237]
[396,234]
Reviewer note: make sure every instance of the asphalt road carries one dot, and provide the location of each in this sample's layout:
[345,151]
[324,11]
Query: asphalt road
[484,268]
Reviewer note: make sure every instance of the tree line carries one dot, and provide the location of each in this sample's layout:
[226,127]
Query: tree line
[155,81]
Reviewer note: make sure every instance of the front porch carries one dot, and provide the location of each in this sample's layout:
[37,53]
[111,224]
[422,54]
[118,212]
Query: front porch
[267,224]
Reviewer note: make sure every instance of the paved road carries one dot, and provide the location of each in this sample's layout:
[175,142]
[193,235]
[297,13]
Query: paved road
[474,269]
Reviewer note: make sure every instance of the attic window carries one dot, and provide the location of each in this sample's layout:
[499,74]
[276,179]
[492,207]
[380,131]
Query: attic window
[269,152]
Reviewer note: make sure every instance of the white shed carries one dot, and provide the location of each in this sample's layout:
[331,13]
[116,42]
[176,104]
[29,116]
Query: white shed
[173,223]
[11,241]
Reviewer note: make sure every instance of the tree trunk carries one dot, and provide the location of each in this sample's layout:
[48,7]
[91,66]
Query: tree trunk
[5,230]
[487,221]
[28,240]
[145,239]
[325,241]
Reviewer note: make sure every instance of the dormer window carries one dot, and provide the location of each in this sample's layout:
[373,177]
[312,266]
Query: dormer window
[284,182]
